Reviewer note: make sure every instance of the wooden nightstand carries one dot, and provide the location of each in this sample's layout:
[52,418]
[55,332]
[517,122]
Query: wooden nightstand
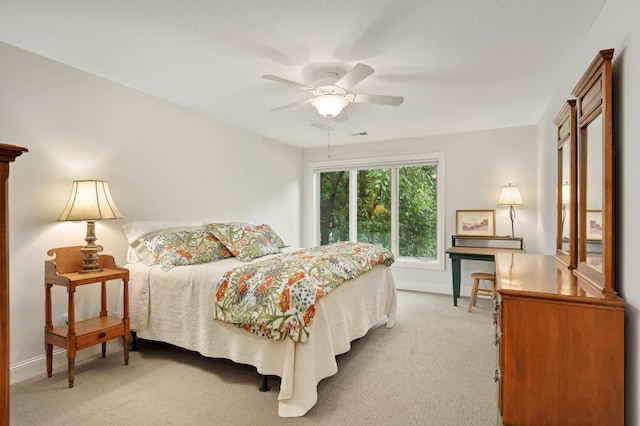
[80,335]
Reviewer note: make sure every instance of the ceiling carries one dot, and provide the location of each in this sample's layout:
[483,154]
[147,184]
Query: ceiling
[461,65]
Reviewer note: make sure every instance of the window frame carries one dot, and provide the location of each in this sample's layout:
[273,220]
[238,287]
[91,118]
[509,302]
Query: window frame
[394,162]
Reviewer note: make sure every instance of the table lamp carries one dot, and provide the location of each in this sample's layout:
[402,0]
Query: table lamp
[510,196]
[566,201]
[90,200]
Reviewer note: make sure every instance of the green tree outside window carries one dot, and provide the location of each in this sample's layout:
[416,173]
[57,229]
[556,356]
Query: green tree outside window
[416,214]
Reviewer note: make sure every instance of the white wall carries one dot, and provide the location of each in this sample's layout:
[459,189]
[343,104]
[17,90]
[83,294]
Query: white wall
[616,27]
[163,162]
[477,165]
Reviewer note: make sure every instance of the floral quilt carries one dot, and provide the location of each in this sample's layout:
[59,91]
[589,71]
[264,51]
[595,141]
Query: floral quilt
[276,298]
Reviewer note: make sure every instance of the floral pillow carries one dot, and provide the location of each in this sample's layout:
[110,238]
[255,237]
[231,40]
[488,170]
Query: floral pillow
[243,240]
[188,247]
[140,251]
[268,232]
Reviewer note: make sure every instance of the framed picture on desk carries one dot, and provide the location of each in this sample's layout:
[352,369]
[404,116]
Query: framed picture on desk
[476,223]
[594,225]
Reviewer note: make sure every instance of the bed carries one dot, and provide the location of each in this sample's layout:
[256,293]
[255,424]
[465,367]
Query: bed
[176,305]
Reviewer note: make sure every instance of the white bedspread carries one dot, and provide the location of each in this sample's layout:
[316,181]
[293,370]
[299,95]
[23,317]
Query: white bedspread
[177,307]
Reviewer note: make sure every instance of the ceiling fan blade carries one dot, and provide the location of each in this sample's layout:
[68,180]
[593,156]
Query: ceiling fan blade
[354,76]
[283,107]
[287,82]
[378,99]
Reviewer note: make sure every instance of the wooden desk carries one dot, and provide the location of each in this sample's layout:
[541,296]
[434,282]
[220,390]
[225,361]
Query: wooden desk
[471,253]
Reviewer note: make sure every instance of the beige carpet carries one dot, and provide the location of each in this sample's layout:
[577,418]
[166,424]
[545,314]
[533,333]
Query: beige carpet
[435,367]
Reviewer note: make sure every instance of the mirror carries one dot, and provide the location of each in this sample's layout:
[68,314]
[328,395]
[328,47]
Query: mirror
[565,192]
[591,145]
[567,181]
[596,189]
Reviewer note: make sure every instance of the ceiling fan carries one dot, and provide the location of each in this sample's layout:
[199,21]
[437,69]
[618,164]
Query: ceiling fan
[331,95]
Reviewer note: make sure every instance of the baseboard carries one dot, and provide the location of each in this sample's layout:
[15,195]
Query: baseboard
[37,366]
[427,287]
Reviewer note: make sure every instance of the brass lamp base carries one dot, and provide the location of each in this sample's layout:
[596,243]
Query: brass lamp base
[90,262]
[512,216]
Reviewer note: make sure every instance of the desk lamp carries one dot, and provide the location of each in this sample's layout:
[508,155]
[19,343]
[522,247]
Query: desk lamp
[510,196]
[566,201]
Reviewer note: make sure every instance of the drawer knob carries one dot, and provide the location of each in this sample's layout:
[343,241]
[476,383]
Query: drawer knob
[102,335]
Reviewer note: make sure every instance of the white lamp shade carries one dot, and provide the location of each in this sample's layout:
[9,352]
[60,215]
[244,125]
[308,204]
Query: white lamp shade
[90,200]
[329,105]
[566,194]
[510,196]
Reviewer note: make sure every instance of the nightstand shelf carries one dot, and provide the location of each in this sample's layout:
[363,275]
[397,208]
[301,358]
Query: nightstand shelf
[83,334]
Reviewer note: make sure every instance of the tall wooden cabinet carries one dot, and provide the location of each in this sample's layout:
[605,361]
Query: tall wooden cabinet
[8,153]
[561,346]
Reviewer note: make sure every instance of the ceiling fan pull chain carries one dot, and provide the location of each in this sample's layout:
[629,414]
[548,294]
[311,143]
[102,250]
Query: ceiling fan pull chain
[329,138]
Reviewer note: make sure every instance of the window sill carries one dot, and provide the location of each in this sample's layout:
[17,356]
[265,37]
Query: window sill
[416,263]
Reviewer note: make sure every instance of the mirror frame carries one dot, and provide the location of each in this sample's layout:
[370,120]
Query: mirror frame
[566,124]
[594,94]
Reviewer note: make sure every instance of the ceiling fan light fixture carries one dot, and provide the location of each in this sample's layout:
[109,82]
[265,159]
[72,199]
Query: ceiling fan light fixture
[331,94]
[329,105]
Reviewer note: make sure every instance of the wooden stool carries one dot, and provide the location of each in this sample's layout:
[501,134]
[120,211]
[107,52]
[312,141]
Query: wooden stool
[475,290]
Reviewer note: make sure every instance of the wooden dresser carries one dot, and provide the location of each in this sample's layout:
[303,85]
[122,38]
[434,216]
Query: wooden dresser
[560,345]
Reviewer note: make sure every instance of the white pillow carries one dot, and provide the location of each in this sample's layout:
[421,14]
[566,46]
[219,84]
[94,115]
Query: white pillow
[135,230]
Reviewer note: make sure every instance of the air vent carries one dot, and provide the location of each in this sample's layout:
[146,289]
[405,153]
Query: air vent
[359,134]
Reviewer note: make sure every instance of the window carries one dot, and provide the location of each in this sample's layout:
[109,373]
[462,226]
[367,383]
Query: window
[334,207]
[394,202]
[374,207]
